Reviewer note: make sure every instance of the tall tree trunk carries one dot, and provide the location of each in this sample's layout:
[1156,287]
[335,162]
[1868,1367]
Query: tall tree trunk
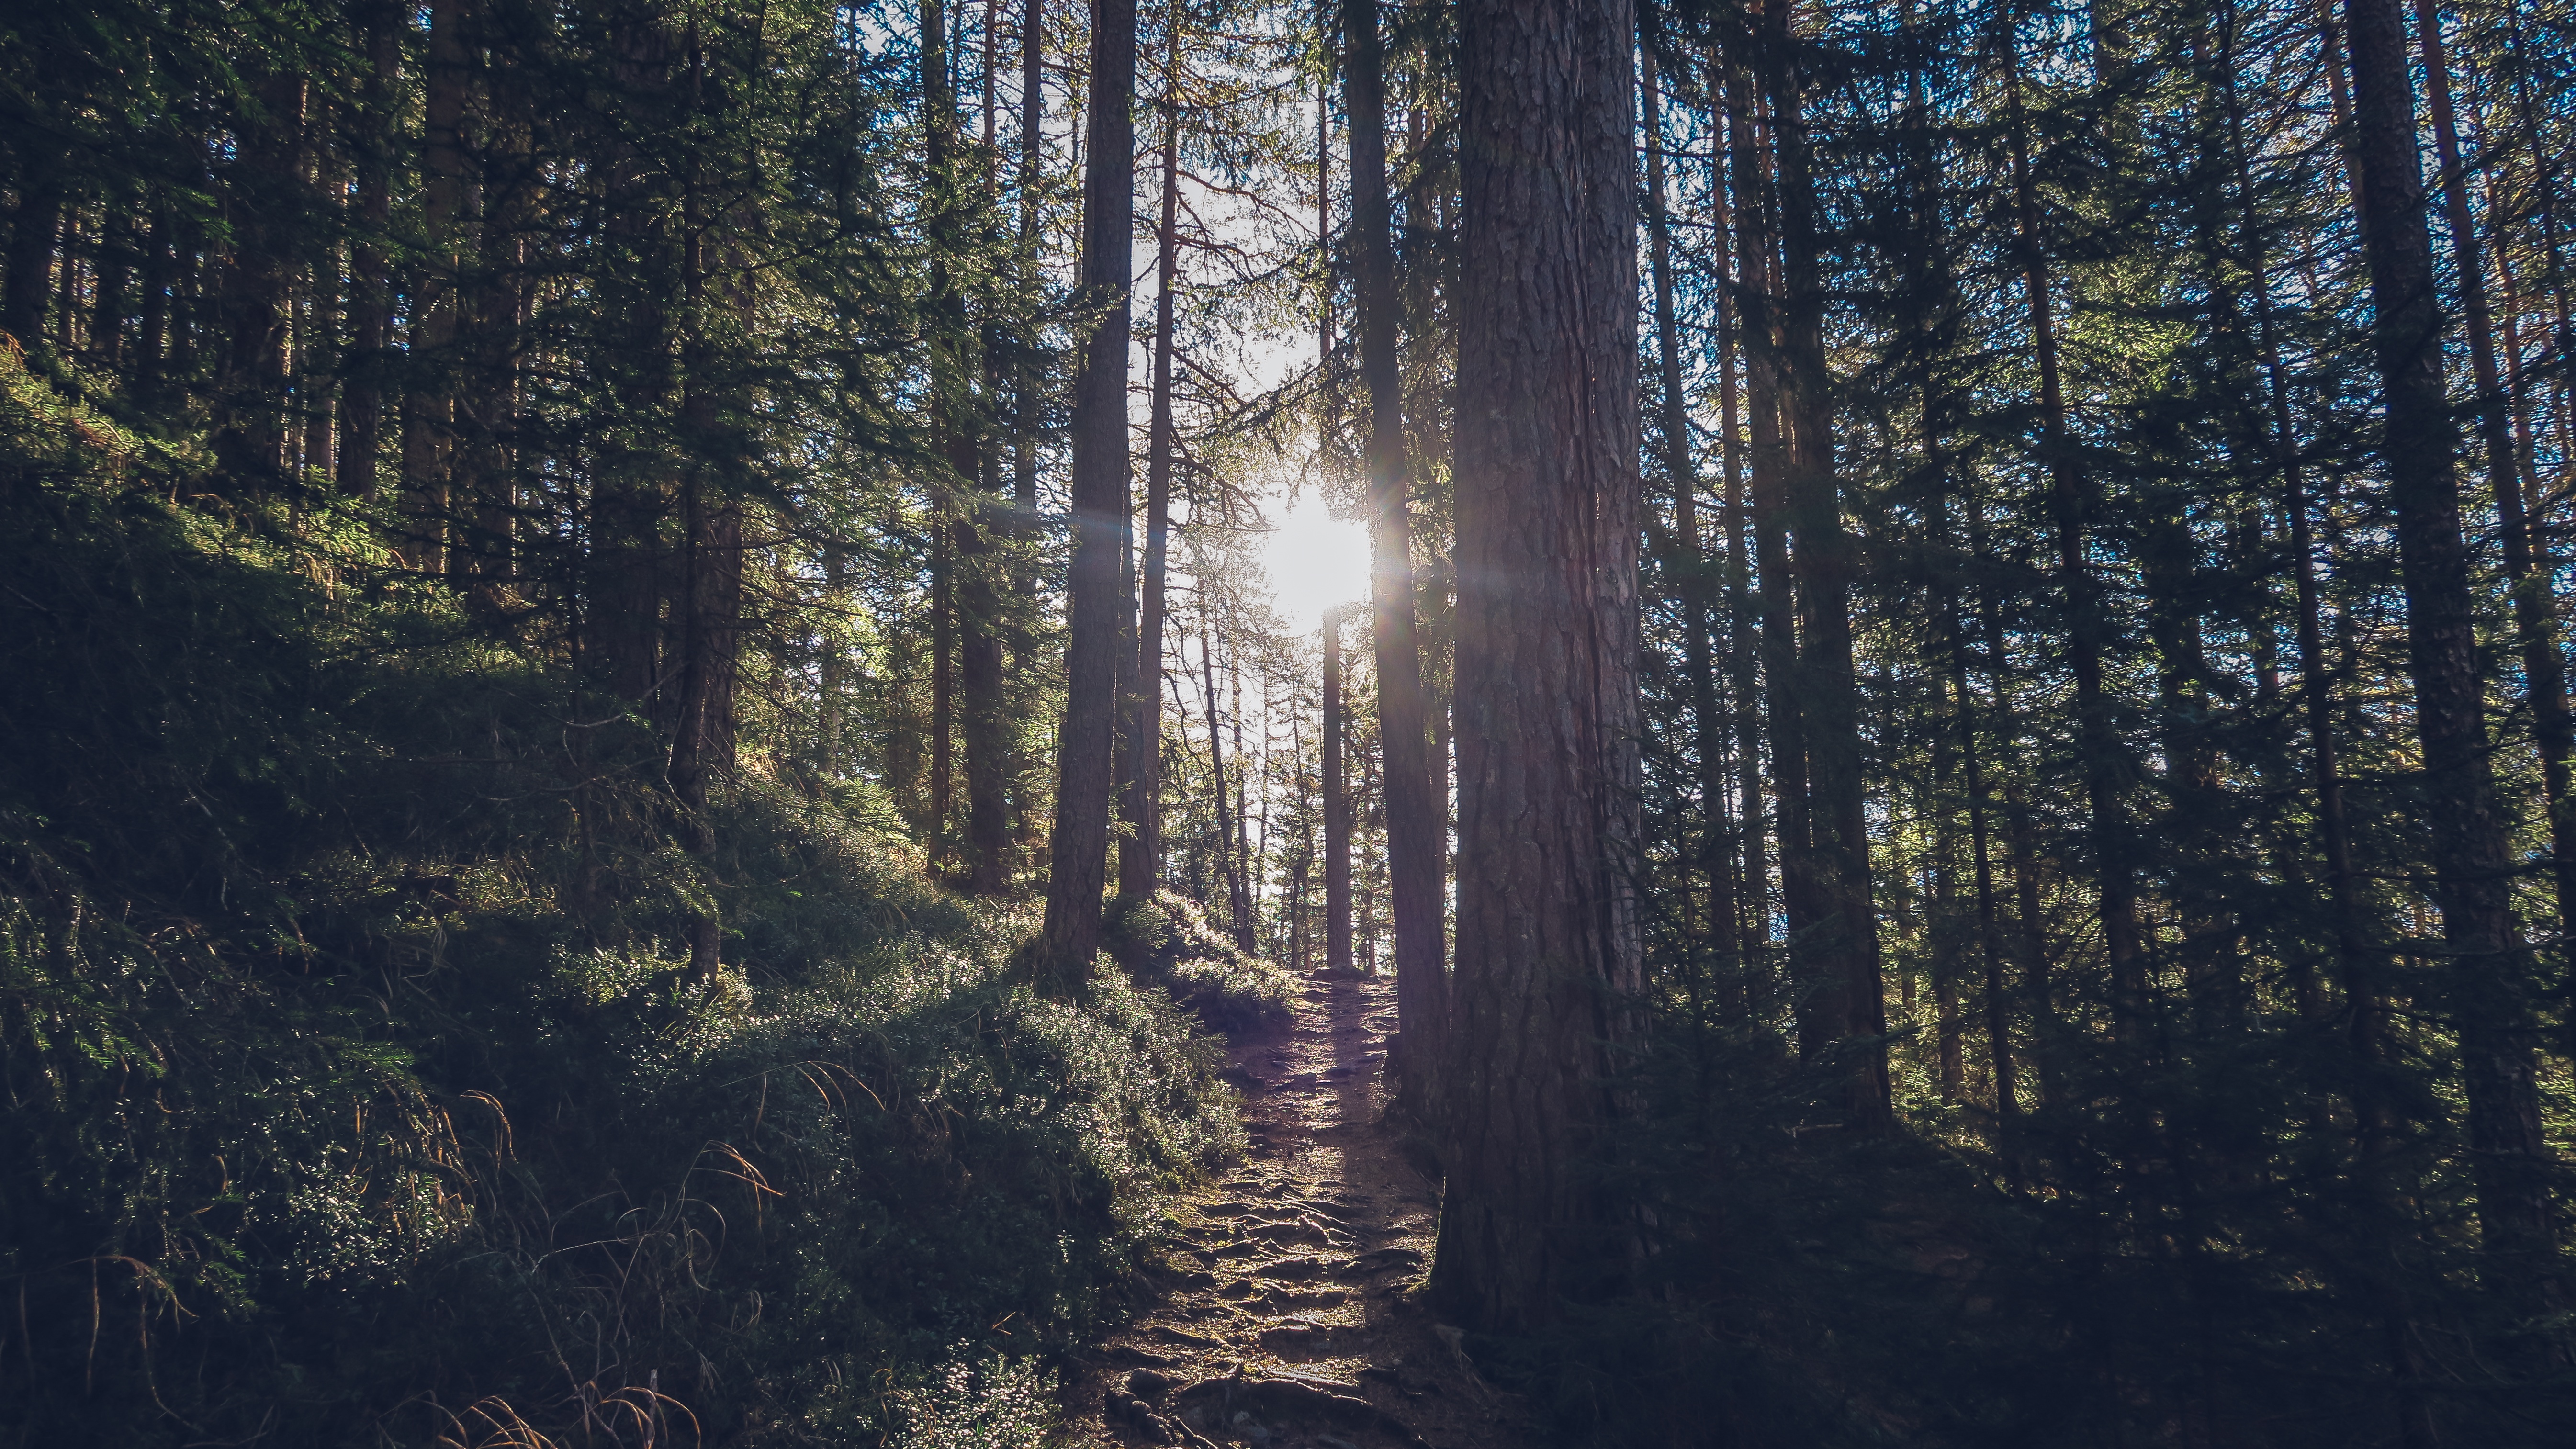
[1416,828]
[1845,949]
[952,479]
[1025,382]
[252,440]
[2488,986]
[1743,640]
[1689,563]
[2070,500]
[708,608]
[2526,562]
[1548,513]
[1140,852]
[1776,599]
[429,402]
[1078,847]
[1337,806]
[1223,807]
[371,302]
[33,227]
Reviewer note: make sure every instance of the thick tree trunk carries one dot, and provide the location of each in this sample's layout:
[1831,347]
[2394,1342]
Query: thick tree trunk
[1416,825]
[1078,847]
[1548,514]
[1140,852]
[2489,987]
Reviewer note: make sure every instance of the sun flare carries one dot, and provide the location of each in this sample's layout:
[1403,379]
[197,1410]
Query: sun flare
[1315,562]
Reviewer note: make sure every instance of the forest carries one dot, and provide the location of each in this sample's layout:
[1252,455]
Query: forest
[1528,722]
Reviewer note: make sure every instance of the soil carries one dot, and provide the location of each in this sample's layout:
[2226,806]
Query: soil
[1287,1313]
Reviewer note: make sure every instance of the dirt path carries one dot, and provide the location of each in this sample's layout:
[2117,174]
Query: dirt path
[1287,1316]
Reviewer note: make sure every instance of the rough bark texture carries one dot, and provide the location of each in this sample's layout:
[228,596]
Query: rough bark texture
[1078,847]
[1416,824]
[1548,516]
[2488,970]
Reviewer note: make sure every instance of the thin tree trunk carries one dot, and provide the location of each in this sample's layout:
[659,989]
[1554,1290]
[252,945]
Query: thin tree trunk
[2535,607]
[1689,563]
[1743,641]
[371,309]
[1845,949]
[1223,807]
[1548,514]
[1776,600]
[2069,498]
[1140,852]
[1078,847]
[1337,806]
[2466,826]
[429,402]
[1416,828]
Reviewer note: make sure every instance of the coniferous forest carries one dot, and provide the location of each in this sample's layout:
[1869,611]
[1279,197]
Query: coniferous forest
[663,779]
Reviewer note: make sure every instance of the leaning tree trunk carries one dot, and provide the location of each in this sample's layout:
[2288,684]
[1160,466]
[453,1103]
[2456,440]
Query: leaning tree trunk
[1548,513]
[1078,847]
[2466,828]
[2535,604]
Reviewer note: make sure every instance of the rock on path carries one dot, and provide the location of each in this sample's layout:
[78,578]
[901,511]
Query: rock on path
[1285,1314]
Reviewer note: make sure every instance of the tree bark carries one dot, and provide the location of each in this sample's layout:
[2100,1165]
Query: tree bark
[1078,847]
[1548,514]
[1416,828]
[2465,824]
[1140,852]
[429,401]
[1844,950]
[371,302]
[1337,806]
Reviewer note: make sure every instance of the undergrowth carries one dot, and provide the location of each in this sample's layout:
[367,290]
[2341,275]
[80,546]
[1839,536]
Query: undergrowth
[355,1088]
[1169,942]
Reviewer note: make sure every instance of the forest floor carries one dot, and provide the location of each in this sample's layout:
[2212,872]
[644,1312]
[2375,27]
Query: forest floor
[1287,1314]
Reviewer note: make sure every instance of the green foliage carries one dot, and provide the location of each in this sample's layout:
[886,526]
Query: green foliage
[1167,942]
[356,1085]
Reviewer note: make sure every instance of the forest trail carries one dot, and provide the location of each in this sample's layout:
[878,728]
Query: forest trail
[1285,1315]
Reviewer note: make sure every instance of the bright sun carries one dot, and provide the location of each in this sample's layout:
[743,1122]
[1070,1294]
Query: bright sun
[1315,562]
